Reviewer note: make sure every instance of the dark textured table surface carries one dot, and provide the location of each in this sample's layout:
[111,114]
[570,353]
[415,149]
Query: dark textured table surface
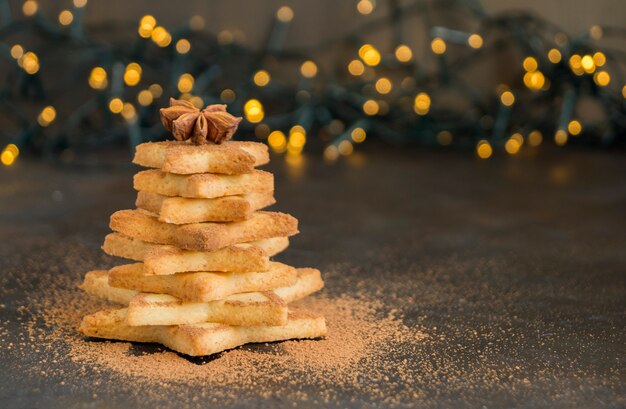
[516,266]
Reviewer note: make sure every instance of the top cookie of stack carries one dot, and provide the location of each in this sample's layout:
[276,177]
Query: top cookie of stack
[207,183]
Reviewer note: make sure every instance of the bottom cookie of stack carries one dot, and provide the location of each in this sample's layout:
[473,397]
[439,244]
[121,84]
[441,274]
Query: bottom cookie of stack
[201,339]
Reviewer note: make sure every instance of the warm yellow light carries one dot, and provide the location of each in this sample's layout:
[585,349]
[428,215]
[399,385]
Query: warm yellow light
[284,14]
[421,104]
[518,137]
[297,128]
[403,53]
[358,135]
[253,109]
[277,141]
[624,91]
[575,61]
[30,62]
[534,80]
[574,127]
[596,32]
[47,116]
[116,105]
[161,36]
[196,23]
[308,69]
[554,56]
[345,147]
[30,7]
[438,45]
[98,78]
[560,137]
[7,157]
[535,138]
[262,131]
[363,49]
[156,90]
[444,138]
[599,59]
[183,46]
[365,7]
[370,107]
[17,51]
[132,74]
[13,149]
[145,97]
[512,146]
[146,25]
[185,82]
[356,67]
[587,63]
[80,3]
[331,153]
[297,139]
[507,98]
[475,41]
[370,55]
[228,95]
[483,149]
[372,58]
[261,78]
[530,64]
[383,85]
[128,111]
[148,21]
[9,154]
[602,78]
[66,17]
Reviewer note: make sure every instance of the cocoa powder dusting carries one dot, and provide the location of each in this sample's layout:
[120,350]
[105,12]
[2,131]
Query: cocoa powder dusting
[349,360]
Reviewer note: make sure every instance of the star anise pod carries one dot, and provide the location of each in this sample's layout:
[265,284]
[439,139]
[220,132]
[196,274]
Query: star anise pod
[186,121]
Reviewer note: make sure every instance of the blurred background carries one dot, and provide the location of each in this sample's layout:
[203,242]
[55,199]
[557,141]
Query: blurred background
[83,80]
[459,163]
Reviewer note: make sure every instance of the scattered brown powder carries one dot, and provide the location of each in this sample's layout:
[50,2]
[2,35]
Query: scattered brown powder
[354,351]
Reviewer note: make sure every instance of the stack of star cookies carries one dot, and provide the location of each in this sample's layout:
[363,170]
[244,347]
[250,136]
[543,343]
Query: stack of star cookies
[203,280]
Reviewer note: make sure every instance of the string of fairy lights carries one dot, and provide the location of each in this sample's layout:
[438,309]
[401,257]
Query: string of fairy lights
[386,91]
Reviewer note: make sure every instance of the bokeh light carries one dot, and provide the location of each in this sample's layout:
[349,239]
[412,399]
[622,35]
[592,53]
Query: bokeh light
[47,116]
[261,78]
[574,127]
[253,110]
[183,46]
[358,135]
[484,149]
[383,85]
[66,17]
[185,82]
[475,41]
[421,105]
[403,53]
[356,67]
[370,107]
[438,45]
[554,56]
[308,69]
[284,14]
[98,78]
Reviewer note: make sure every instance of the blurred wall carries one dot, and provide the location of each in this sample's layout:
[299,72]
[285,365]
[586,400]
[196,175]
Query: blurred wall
[323,19]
